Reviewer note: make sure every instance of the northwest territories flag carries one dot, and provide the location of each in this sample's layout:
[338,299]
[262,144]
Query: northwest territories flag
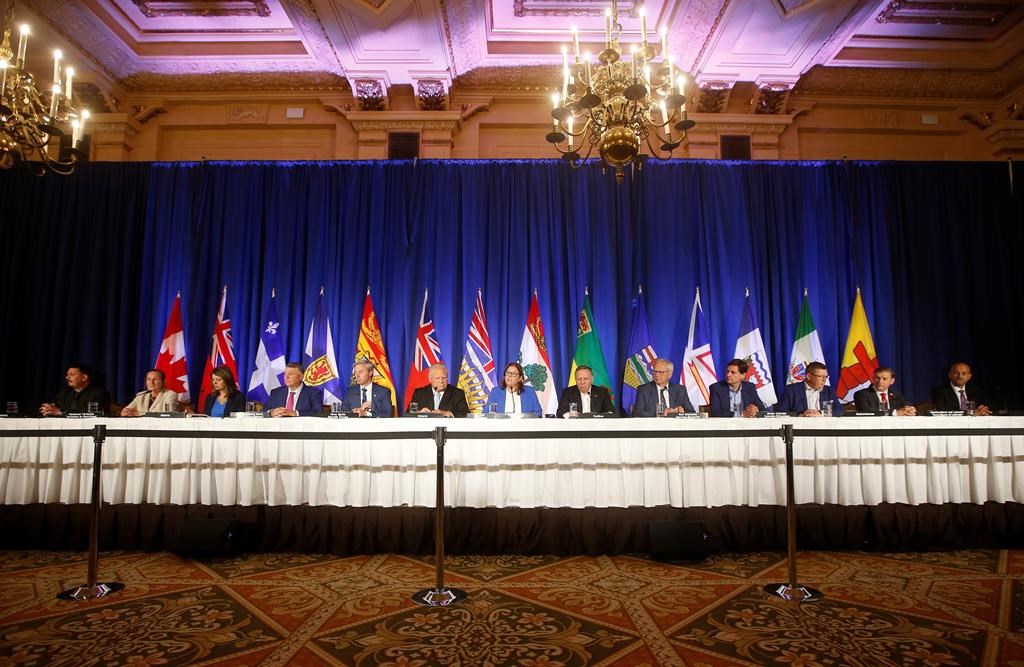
[750,347]
[270,362]
[321,365]
[477,375]
[698,372]
[806,346]
[637,369]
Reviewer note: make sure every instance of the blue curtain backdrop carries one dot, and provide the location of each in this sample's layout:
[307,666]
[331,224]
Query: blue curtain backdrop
[91,263]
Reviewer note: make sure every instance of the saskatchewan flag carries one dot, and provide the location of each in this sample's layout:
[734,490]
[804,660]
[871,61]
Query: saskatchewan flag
[806,346]
[588,348]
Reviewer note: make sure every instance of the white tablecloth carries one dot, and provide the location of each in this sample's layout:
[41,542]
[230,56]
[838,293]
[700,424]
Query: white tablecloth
[549,463]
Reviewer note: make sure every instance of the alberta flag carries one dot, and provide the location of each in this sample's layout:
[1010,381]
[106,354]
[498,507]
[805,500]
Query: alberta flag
[321,365]
[588,348]
[426,353]
[171,358]
[270,361]
[477,376]
[806,346]
[637,369]
[698,372]
[750,347]
[222,349]
[859,357]
[533,355]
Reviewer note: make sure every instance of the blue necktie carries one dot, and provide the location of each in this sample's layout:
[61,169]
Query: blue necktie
[365,391]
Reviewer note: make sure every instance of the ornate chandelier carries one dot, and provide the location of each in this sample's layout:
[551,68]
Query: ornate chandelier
[617,105]
[30,118]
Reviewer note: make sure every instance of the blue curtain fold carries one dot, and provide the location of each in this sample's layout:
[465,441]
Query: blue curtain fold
[91,263]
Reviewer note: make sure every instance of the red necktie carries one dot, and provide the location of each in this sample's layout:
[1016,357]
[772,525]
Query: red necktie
[885,401]
[291,401]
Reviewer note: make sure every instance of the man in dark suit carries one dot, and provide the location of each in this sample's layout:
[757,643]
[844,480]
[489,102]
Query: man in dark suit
[880,399]
[954,395]
[588,397]
[661,392]
[805,399]
[294,399]
[76,397]
[733,396]
[439,397]
[366,398]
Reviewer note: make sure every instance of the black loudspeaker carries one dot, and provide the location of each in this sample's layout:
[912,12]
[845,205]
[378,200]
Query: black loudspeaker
[679,540]
[205,537]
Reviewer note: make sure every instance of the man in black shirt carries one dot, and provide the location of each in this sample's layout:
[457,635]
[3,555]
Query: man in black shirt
[77,396]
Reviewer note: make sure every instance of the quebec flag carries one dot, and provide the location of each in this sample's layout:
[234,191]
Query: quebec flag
[270,362]
[750,347]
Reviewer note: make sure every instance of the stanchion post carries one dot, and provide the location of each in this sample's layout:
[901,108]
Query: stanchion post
[92,589]
[439,595]
[791,591]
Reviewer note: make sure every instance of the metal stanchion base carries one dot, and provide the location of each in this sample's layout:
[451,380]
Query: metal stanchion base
[87,592]
[794,593]
[439,597]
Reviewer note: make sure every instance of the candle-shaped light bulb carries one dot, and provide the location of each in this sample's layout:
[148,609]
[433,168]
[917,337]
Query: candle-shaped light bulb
[668,125]
[565,56]
[70,71]
[569,124]
[75,136]
[81,126]
[23,43]
[576,44]
[664,115]
[586,57]
[632,59]
[54,97]
[643,24]
[664,42]
[57,55]
[554,105]
[671,85]
[3,76]
[608,28]
[682,88]
[565,83]
[647,74]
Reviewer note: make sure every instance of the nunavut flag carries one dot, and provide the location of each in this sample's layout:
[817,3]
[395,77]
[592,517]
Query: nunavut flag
[171,359]
[426,354]
[859,358]
[370,347]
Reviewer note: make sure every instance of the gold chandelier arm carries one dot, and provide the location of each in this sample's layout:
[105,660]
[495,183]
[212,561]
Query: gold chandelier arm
[8,24]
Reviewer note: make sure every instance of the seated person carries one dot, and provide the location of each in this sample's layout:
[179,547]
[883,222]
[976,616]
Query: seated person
[439,397]
[512,396]
[225,397]
[366,398]
[661,391]
[878,397]
[734,396]
[154,398]
[804,399]
[76,397]
[294,399]
[589,398]
[954,395]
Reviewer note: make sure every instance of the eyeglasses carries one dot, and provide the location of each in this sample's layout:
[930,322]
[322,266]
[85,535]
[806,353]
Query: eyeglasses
[820,376]
[513,374]
[656,372]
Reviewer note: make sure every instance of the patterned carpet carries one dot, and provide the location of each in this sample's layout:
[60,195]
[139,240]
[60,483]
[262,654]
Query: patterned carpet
[935,609]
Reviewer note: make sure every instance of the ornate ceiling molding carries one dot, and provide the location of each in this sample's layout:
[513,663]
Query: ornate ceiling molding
[201,8]
[235,82]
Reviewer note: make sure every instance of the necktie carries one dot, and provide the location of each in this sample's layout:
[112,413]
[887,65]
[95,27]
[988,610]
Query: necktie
[664,398]
[884,397]
[963,399]
[437,400]
[365,398]
[291,401]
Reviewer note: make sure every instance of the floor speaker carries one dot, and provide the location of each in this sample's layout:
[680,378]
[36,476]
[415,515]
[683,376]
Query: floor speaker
[205,537]
[679,540]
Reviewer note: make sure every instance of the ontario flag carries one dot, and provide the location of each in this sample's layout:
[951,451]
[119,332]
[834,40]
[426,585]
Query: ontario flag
[859,358]
[477,375]
[698,372]
[533,355]
[321,365]
[426,354]
[222,349]
[750,348]
[637,370]
[370,347]
[171,358]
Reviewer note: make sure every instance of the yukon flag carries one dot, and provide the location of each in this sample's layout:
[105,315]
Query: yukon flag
[588,348]
[477,376]
[806,346]
[533,355]
[427,352]
[370,347]
[222,349]
[171,358]
[750,347]
[637,369]
[270,361]
[859,358]
[698,372]
[321,365]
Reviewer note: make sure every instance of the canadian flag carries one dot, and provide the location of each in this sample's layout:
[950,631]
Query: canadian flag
[222,349]
[171,359]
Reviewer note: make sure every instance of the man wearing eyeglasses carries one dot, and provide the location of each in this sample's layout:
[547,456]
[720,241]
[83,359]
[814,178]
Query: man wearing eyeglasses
[661,396]
[805,399]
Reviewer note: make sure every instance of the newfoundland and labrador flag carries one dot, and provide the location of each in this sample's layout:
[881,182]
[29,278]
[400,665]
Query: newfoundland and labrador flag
[698,372]
[321,365]
[750,347]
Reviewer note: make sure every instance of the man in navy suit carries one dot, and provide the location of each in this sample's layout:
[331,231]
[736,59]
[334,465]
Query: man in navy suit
[955,394]
[733,396]
[588,397]
[366,398]
[804,399]
[661,391]
[878,398]
[294,399]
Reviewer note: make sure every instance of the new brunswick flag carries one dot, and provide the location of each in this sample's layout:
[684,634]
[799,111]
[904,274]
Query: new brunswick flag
[859,358]
[370,347]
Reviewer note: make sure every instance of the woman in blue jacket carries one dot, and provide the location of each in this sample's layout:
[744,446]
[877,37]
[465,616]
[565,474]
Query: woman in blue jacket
[512,396]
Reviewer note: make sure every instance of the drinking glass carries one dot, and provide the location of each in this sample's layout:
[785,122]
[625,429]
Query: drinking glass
[826,409]
[93,408]
[250,407]
[12,407]
[572,410]
[659,410]
[414,408]
[969,408]
[336,408]
[492,408]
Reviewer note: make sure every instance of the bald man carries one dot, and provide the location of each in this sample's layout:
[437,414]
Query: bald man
[954,395]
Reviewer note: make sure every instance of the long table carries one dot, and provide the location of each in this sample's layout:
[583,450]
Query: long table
[506,463]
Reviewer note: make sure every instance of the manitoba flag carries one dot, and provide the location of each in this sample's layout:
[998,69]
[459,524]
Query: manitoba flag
[171,358]
[222,349]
